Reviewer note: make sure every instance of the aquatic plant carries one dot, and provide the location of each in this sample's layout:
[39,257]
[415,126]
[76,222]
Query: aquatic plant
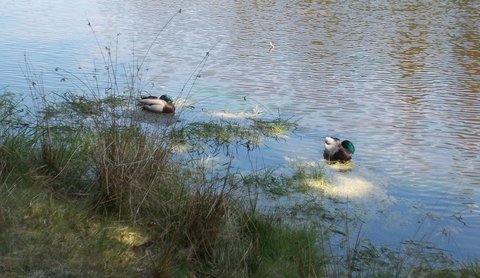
[222,134]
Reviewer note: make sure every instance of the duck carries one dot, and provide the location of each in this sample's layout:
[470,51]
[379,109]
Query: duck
[162,104]
[337,150]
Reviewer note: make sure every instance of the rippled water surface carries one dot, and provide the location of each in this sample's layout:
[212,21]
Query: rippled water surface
[401,79]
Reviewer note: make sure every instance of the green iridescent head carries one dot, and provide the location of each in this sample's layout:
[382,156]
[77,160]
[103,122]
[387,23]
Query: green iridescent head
[166,98]
[349,146]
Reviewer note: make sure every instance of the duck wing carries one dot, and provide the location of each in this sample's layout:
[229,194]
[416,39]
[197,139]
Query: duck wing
[342,155]
[152,101]
[155,108]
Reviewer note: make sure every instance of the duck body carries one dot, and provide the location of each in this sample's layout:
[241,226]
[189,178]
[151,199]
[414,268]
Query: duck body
[162,104]
[337,150]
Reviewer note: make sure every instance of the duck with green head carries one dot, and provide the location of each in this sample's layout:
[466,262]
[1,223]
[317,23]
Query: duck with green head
[338,150]
[162,104]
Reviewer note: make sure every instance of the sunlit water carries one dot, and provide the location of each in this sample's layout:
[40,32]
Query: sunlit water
[400,79]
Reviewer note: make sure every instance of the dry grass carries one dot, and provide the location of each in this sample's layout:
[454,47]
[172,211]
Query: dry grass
[128,165]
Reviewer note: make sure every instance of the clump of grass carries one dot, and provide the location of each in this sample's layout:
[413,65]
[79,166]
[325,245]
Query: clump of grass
[273,128]
[280,184]
[280,251]
[10,113]
[128,163]
[202,136]
[305,171]
[268,180]
[203,222]
[16,153]
[190,218]
[14,143]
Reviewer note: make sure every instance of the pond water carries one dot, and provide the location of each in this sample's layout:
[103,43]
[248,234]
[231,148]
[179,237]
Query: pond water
[401,79]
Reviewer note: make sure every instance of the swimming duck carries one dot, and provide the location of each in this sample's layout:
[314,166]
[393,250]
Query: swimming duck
[338,150]
[162,104]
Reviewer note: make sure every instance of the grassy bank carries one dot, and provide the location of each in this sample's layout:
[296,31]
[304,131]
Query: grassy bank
[87,193]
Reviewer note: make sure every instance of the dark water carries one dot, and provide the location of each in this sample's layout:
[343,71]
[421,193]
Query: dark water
[401,79]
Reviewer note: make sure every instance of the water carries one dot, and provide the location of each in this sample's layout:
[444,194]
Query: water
[400,79]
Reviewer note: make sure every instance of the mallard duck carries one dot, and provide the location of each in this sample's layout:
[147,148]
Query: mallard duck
[162,104]
[338,150]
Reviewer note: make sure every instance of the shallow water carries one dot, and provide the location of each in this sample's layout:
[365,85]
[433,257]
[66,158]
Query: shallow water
[400,79]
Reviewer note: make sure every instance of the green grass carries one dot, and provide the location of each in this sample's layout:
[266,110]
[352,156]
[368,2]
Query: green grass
[103,196]
[280,251]
[279,184]
[221,134]
[46,236]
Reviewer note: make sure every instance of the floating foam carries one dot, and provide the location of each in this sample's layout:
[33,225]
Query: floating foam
[352,188]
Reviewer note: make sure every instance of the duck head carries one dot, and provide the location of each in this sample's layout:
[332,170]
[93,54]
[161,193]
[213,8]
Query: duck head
[338,150]
[166,98]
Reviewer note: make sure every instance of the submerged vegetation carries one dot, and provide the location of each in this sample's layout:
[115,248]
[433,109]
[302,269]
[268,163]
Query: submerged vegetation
[221,134]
